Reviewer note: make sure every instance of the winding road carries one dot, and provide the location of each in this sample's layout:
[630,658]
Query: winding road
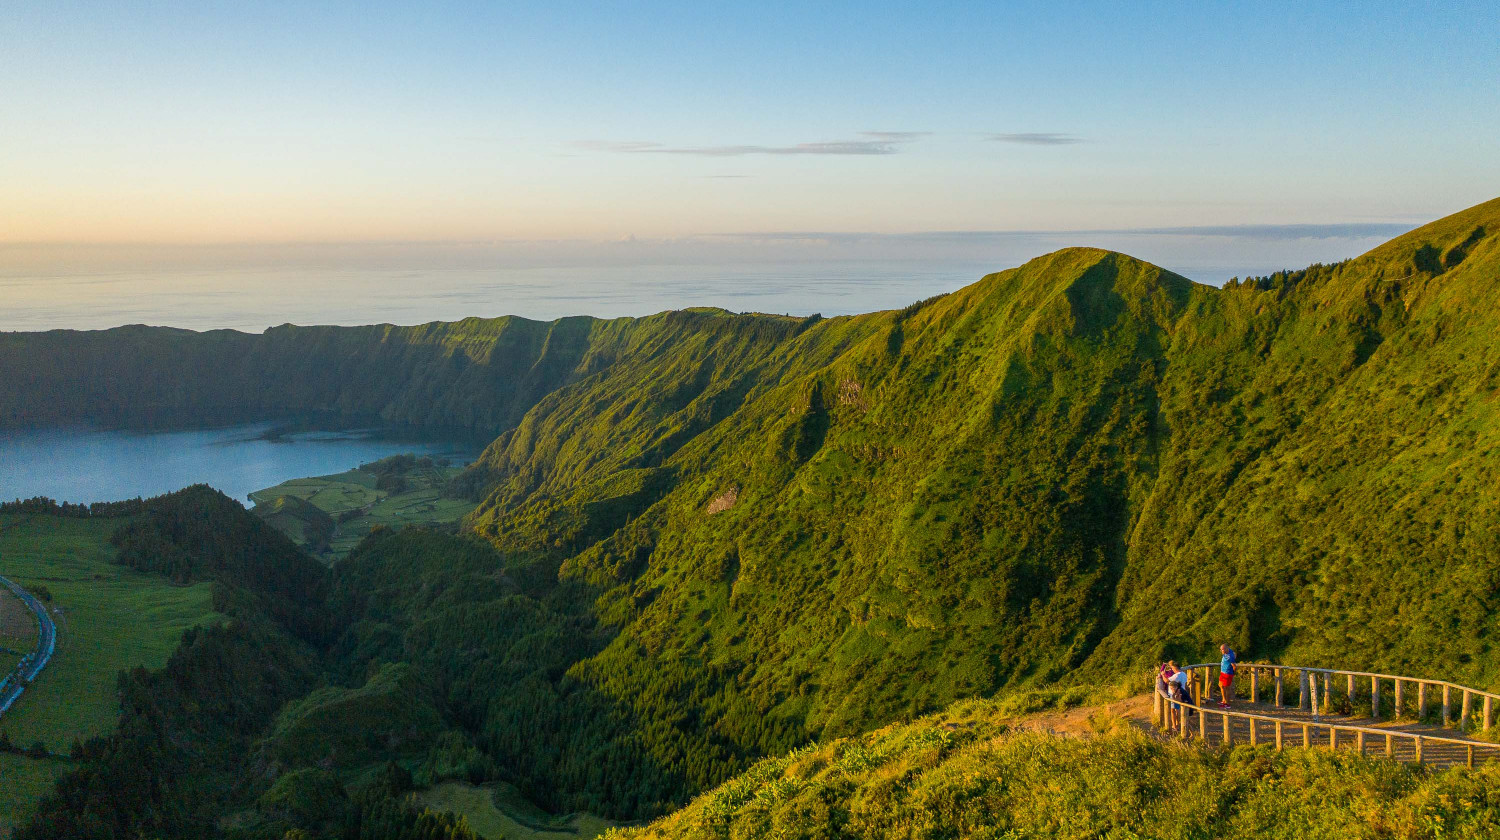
[32,664]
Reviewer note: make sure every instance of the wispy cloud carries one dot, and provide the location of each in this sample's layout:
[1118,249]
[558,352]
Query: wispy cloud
[869,143]
[1036,138]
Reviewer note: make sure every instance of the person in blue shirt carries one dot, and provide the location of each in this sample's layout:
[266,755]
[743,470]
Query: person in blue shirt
[1226,675]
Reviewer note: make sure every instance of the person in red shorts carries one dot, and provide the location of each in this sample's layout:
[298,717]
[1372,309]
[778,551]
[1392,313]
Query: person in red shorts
[1226,675]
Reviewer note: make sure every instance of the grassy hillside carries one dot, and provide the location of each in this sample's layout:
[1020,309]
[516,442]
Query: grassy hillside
[499,813]
[970,772]
[1062,471]
[707,538]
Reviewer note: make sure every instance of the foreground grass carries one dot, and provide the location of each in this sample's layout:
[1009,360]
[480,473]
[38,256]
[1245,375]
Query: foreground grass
[499,812]
[971,773]
[109,618]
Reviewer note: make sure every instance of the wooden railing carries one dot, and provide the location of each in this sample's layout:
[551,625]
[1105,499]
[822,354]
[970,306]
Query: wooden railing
[1311,697]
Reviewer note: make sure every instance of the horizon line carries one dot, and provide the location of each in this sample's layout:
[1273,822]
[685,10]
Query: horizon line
[1302,230]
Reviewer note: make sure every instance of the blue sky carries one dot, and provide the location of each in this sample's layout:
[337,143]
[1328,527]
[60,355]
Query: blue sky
[302,122]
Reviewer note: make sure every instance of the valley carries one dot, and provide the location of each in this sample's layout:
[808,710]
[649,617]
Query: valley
[329,515]
[733,575]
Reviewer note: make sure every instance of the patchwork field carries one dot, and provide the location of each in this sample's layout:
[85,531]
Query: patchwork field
[109,618]
[499,811]
[358,500]
[17,631]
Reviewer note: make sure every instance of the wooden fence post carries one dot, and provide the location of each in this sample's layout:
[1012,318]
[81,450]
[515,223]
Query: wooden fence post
[1399,698]
[1155,708]
[1463,716]
[1229,739]
[1359,742]
[1312,695]
[1375,698]
[1327,688]
[1421,700]
[1306,736]
[1418,739]
[1333,738]
[1255,684]
[1470,748]
[1304,694]
[1182,720]
[1446,692]
[1278,736]
[1351,692]
[1202,725]
[1253,740]
[1390,748]
[1278,689]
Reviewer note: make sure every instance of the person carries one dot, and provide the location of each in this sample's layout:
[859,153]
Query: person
[1226,675]
[1178,690]
[1163,674]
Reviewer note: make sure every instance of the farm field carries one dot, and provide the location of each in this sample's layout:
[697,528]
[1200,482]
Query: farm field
[109,618]
[500,811]
[17,631]
[357,502]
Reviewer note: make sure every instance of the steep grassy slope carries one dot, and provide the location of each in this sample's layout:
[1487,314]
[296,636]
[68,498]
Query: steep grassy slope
[969,772]
[481,374]
[1063,471]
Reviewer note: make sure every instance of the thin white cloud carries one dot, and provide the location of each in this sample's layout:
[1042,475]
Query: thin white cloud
[870,143]
[1036,138]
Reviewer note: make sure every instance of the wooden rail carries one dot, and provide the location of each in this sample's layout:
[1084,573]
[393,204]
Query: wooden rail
[1313,697]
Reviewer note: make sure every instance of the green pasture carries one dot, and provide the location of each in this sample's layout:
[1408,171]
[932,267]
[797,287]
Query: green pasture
[500,811]
[109,618]
[353,494]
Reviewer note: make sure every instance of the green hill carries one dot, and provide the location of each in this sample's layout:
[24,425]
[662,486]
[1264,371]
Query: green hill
[708,538]
[1062,472]
[976,772]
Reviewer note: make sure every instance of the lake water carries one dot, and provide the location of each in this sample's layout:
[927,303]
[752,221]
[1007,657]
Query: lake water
[93,465]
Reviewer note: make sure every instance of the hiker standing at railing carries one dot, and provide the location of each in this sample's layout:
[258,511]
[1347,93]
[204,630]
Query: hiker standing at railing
[1226,675]
[1164,674]
[1178,690]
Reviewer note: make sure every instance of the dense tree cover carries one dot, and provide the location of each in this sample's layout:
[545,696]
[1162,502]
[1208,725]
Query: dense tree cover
[201,534]
[208,735]
[44,506]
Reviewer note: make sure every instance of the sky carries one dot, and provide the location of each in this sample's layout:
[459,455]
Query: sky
[130,125]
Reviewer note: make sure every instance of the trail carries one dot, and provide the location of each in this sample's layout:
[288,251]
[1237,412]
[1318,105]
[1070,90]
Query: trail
[1404,726]
[30,666]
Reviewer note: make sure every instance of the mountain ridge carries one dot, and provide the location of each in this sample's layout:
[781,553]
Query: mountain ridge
[756,532]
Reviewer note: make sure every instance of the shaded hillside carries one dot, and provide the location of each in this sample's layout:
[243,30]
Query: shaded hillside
[480,374]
